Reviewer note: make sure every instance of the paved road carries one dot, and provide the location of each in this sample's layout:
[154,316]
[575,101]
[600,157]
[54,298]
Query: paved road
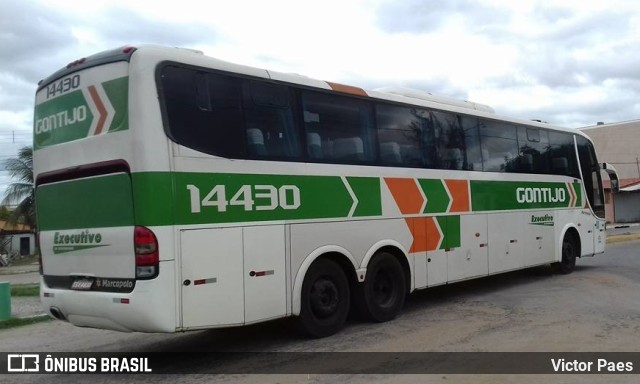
[21,278]
[597,308]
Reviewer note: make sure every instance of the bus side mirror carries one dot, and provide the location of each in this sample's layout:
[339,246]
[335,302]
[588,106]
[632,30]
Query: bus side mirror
[613,176]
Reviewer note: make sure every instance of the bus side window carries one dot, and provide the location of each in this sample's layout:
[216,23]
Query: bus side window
[202,111]
[255,142]
[224,121]
[337,128]
[473,154]
[449,141]
[270,125]
[533,146]
[314,145]
[399,135]
[562,154]
[499,140]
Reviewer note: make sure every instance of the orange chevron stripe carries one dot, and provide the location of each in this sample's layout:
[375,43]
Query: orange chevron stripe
[433,235]
[406,194]
[574,200]
[101,109]
[347,89]
[459,190]
[426,236]
[419,234]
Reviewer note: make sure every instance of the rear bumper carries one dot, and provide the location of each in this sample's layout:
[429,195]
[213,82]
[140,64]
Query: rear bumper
[150,307]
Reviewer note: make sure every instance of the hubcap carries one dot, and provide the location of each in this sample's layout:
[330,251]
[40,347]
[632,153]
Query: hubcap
[383,288]
[324,297]
[568,255]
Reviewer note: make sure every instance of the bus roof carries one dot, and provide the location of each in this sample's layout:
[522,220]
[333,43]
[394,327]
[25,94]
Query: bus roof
[394,94]
[113,55]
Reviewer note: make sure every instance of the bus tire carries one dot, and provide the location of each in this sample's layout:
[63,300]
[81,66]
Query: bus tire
[569,255]
[325,299]
[381,297]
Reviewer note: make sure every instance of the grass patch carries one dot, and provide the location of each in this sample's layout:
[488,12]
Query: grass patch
[19,322]
[25,290]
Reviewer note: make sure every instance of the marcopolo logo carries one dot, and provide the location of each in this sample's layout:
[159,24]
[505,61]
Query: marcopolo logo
[71,242]
[546,220]
[116,285]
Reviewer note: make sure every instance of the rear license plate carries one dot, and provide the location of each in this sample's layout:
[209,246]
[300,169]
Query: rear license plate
[82,284]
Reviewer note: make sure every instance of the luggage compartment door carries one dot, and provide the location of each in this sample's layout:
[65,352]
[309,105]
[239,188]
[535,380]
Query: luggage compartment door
[212,277]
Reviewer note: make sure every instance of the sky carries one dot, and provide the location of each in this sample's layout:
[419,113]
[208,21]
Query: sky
[571,63]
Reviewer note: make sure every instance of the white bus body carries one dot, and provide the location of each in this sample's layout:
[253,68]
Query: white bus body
[176,192]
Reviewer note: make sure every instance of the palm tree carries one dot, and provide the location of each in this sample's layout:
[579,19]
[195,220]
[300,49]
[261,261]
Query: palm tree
[21,191]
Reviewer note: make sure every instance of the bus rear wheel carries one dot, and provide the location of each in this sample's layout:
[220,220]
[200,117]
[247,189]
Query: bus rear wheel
[325,299]
[569,254]
[381,297]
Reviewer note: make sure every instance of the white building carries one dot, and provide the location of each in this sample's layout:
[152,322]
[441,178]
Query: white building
[619,144]
[15,241]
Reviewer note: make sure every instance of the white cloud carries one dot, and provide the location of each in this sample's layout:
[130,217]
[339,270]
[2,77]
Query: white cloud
[571,63]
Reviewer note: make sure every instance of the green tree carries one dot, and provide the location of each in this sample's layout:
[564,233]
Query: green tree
[4,213]
[21,191]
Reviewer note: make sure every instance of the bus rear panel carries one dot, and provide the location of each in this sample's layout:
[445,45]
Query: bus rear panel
[100,267]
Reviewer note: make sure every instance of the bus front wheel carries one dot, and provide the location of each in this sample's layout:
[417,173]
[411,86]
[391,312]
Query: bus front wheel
[381,297]
[569,255]
[325,299]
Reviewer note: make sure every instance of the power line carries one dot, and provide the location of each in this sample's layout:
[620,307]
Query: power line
[14,134]
[15,143]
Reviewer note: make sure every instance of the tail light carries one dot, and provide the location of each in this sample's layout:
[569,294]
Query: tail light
[145,243]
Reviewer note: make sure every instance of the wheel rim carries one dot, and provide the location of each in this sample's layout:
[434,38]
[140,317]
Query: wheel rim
[384,288]
[568,255]
[324,298]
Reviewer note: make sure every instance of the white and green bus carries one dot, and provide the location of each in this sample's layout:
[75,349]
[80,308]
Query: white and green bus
[176,192]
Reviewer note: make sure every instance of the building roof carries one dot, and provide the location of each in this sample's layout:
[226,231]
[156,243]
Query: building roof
[5,227]
[624,183]
[612,125]
[634,187]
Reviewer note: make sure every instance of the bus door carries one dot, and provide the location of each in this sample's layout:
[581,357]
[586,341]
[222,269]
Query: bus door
[592,226]
[600,237]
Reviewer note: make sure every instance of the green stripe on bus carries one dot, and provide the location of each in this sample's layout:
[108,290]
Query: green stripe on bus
[508,195]
[226,198]
[95,202]
[578,191]
[182,198]
[436,194]
[367,191]
[153,197]
[118,93]
[450,226]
